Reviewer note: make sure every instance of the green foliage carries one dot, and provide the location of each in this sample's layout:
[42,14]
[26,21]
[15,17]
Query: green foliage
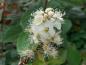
[74,9]
[24,43]
[11,57]
[25,19]
[11,33]
[59,60]
[66,26]
[73,56]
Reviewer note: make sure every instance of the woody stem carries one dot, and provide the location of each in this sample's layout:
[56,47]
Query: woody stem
[45,4]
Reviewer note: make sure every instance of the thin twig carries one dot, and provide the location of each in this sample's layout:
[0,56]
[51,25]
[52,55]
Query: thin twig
[45,4]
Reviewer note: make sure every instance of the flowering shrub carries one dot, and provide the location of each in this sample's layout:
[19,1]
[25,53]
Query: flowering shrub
[47,36]
[45,29]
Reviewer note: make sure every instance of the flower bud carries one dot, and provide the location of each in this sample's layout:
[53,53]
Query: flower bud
[48,9]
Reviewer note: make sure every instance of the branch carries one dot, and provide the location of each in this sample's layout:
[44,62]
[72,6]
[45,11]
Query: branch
[45,4]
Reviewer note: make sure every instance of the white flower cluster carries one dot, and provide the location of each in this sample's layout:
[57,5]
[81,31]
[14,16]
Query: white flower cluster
[46,28]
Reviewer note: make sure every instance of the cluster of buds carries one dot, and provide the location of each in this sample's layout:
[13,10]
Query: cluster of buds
[46,28]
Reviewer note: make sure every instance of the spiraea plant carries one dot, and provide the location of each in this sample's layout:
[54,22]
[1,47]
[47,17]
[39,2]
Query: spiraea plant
[44,28]
[46,36]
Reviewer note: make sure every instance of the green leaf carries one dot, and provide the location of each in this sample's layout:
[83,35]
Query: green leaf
[24,19]
[24,43]
[11,33]
[66,26]
[73,56]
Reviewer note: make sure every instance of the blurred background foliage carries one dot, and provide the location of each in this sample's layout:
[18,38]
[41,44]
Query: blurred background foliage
[13,19]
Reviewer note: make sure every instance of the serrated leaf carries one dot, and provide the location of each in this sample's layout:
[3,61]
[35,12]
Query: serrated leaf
[73,56]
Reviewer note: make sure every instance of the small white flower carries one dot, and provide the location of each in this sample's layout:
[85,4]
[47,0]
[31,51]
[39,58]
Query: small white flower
[38,12]
[57,39]
[27,52]
[38,19]
[51,51]
[48,9]
[58,15]
[52,20]
[50,13]
[58,25]
[35,39]
[45,17]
